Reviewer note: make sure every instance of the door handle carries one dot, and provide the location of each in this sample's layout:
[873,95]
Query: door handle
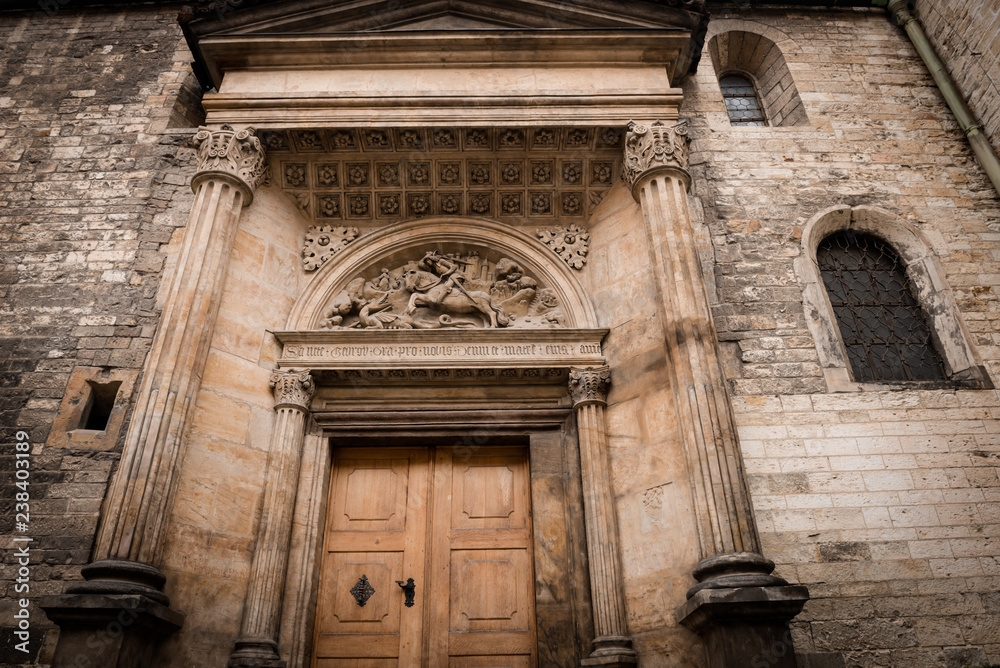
[409,588]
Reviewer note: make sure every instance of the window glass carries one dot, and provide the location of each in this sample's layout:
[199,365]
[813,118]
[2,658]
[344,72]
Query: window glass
[882,324]
[741,101]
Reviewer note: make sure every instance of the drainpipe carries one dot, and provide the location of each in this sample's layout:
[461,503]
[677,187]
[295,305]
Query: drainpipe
[972,129]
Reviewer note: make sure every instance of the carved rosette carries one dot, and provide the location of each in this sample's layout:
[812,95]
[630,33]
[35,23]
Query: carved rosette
[293,388]
[237,153]
[589,385]
[571,244]
[654,146]
[323,241]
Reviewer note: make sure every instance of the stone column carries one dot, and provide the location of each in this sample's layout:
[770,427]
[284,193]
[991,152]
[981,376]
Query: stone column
[656,160]
[612,646]
[135,511]
[257,646]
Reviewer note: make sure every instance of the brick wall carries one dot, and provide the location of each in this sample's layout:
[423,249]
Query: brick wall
[91,155]
[883,502]
[966,36]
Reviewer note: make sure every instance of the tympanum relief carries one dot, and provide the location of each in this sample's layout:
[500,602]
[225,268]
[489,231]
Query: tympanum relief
[439,290]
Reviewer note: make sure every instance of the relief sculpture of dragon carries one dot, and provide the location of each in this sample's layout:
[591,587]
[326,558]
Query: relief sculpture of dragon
[445,291]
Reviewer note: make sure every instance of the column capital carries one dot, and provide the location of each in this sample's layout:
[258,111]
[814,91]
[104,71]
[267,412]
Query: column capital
[589,385]
[294,388]
[655,146]
[237,154]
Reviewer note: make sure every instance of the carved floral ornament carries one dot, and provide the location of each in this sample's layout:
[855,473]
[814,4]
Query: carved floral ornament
[589,385]
[438,290]
[323,242]
[235,152]
[292,388]
[654,145]
[570,244]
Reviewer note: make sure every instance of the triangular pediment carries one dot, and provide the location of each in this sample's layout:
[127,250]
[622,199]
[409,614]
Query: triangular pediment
[260,17]
[316,35]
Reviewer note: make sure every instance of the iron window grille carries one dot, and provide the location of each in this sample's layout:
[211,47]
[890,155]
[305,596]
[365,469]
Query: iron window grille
[882,324]
[741,100]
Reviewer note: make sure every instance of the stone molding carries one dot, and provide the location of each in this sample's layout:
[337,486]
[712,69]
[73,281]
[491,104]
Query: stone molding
[655,146]
[570,244]
[235,153]
[293,388]
[469,234]
[589,385]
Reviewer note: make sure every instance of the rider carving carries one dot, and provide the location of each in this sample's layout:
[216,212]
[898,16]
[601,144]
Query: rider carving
[445,291]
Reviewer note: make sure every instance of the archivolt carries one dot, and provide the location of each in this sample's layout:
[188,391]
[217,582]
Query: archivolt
[472,233]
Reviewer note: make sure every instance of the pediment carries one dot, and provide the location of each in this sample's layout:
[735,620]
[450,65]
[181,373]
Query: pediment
[259,17]
[266,34]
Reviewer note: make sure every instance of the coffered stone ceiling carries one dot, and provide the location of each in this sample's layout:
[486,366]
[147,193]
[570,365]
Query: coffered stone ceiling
[370,176]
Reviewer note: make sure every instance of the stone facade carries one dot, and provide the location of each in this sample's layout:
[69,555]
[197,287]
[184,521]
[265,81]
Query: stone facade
[98,108]
[883,501]
[965,38]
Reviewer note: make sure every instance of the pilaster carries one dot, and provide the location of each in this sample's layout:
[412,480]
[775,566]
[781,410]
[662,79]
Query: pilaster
[257,646]
[588,387]
[656,167]
[135,511]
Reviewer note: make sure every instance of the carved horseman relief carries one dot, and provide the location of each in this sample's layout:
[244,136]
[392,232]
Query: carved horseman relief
[439,290]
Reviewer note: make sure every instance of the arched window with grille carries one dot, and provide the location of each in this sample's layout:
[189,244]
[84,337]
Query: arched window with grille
[741,100]
[884,328]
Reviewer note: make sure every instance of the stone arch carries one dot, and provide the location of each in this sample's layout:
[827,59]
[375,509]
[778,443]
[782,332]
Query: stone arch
[757,52]
[926,277]
[472,233]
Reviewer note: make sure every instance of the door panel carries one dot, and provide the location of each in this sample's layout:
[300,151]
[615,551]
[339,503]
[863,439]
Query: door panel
[481,546]
[460,527]
[376,528]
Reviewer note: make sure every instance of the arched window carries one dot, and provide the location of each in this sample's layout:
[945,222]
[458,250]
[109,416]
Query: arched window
[741,100]
[883,326]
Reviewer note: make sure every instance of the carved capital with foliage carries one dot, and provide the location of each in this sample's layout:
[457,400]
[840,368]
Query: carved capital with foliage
[293,388]
[653,146]
[589,385]
[237,153]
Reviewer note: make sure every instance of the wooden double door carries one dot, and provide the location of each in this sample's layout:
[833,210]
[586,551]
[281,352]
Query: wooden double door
[460,526]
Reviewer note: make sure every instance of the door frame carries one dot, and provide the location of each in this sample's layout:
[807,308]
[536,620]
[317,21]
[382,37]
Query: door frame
[563,617]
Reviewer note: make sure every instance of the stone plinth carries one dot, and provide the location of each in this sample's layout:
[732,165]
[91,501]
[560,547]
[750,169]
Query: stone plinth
[745,626]
[110,631]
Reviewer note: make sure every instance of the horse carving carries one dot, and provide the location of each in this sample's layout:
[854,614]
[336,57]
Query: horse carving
[441,289]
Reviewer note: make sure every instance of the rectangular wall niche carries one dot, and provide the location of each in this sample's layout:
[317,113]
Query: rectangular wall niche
[93,409]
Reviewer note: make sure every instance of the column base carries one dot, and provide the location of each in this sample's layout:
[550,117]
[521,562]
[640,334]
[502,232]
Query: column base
[612,652]
[122,577]
[108,630]
[255,653]
[745,627]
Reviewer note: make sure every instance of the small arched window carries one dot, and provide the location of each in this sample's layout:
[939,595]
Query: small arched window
[882,324]
[741,100]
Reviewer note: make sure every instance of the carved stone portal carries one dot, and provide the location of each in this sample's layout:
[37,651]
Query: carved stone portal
[437,290]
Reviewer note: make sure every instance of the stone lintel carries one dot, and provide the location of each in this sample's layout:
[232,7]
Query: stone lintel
[441,349]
